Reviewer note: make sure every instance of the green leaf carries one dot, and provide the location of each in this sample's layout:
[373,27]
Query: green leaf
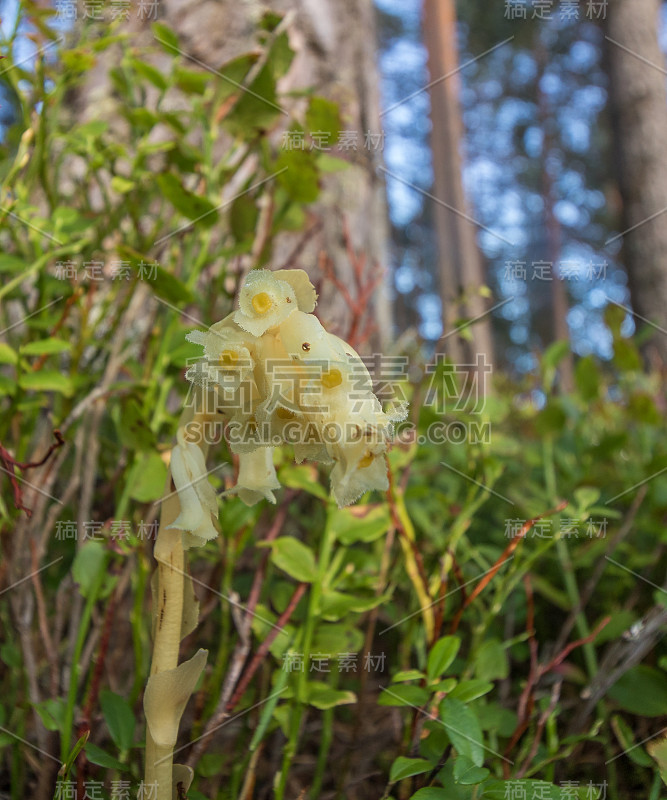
[7,354]
[300,176]
[90,560]
[294,558]
[243,216]
[162,283]
[303,476]
[441,656]
[626,739]
[169,287]
[52,713]
[147,477]
[119,718]
[92,129]
[281,56]
[7,386]
[337,638]
[210,764]
[104,43]
[133,429]
[445,686]
[9,263]
[621,620]
[641,690]
[122,185]
[142,118]
[493,717]
[191,82]
[323,116]
[585,497]
[467,773]
[257,108]
[642,408]
[97,756]
[471,690]
[407,767]
[552,418]
[150,73]
[626,356]
[555,353]
[64,771]
[434,742]
[407,675]
[11,655]
[45,380]
[270,20]
[359,523]
[404,695]
[614,316]
[322,696]
[328,163]
[463,730]
[43,347]
[336,604]
[166,37]
[431,793]
[193,206]
[232,74]
[68,223]
[587,378]
[491,661]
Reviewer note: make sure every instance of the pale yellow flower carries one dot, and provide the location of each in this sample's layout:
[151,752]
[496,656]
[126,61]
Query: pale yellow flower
[264,302]
[257,477]
[280,377]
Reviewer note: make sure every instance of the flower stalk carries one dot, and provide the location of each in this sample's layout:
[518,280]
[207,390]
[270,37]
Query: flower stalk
[272,374]
[175,614]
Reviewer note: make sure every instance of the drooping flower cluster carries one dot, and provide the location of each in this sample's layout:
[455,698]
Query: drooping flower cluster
[277,376]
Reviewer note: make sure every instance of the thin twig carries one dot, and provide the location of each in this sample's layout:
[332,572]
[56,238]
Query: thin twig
[507,552]
[599,568]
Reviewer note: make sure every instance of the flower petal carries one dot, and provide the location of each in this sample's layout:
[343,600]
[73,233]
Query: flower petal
[306,296]
[191,509]
[264,302]
[257,476]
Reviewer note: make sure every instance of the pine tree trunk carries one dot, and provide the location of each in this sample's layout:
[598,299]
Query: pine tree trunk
[461,266]
[554,235]
[639,123]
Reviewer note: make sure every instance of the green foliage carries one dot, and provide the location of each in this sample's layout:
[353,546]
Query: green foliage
[179,200]
[119,718]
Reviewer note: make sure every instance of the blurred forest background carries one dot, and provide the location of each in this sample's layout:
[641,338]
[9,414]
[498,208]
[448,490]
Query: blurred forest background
[478,191]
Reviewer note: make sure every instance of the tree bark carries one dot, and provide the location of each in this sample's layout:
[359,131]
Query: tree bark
[461,268]
[335,44]
[639,123]
[553,231]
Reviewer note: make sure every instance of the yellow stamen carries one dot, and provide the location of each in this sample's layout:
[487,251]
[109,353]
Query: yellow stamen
[332,378]
[284,413]
[366,461]
[261,302]
[229,357]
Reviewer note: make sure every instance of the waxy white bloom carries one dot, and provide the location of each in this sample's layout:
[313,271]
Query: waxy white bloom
[280,377]
[199,505]
[264,302]
[257,477]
